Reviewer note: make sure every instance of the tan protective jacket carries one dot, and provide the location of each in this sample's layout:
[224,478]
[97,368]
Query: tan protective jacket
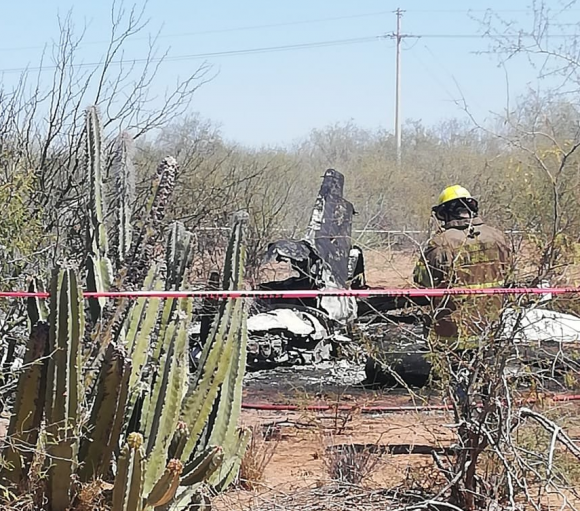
[467,253]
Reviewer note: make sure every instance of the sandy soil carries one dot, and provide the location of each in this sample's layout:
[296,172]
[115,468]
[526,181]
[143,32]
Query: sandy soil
[300,458]
[299,439]
[386,268]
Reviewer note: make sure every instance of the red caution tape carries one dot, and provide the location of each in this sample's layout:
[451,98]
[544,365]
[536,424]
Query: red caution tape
[357,293]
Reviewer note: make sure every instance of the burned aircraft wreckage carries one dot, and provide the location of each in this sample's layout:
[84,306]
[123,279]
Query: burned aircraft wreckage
[306,331]
[303,331]
[298,330]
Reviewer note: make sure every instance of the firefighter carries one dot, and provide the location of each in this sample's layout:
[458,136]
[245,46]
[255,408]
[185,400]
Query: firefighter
[465,253]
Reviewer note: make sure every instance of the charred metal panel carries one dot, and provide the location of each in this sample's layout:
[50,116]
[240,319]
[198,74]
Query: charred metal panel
[287,250]
[330,227]
[356,268]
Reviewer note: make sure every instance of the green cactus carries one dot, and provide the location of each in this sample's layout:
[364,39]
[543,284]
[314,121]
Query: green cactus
[161,421]
[178,258]
[128,487]
[107,415]
[141,324]
[63,385]
[228,471]
[136,369]
[195,474]
[236,253]
[203,466]
[178,441]
[178,255]
[210,375]
[224,429]
[136,266]
[120,198]
[99,278]
[223,358]
[36,307]
[230,400]
[143,245]
[190,497]
[25,422]
[99,267]
[93,138]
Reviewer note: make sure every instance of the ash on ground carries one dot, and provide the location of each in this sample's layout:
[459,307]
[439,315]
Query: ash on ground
[325,377]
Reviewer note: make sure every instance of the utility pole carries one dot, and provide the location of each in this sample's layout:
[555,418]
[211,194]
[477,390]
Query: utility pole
[399,38]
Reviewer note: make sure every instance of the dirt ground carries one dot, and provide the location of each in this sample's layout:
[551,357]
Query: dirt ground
[299,440]
[386,268]
[300,459]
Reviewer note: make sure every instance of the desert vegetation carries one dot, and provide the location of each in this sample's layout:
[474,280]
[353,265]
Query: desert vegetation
[104,407]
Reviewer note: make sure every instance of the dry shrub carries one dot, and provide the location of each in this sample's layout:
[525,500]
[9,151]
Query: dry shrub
[423,478]
[535,443]
[350,463]
[91,496]
[258,455]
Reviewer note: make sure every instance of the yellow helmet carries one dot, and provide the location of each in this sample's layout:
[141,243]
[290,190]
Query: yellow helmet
[452,193]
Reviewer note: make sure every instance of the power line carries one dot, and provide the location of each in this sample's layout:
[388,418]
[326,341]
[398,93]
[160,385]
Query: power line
[282,24]
[303,22]
[300,22]
[433,75]
[196,56]
[490,36]
[467,11]
[273,49]
[228,30]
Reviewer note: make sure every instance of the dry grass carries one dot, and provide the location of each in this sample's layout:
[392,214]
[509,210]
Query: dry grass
[348,463]
[332,497]
[91,496]
[258,455]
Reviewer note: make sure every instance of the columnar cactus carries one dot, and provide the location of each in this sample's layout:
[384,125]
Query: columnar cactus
[36,307]
[29,406]
[128,488]
[107,415]
[179,430]
[99,267]
[120,198]
[166,486]
[93,138]
[63,390]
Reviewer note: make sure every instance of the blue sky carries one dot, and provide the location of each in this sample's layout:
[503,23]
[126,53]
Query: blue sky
[278,97]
